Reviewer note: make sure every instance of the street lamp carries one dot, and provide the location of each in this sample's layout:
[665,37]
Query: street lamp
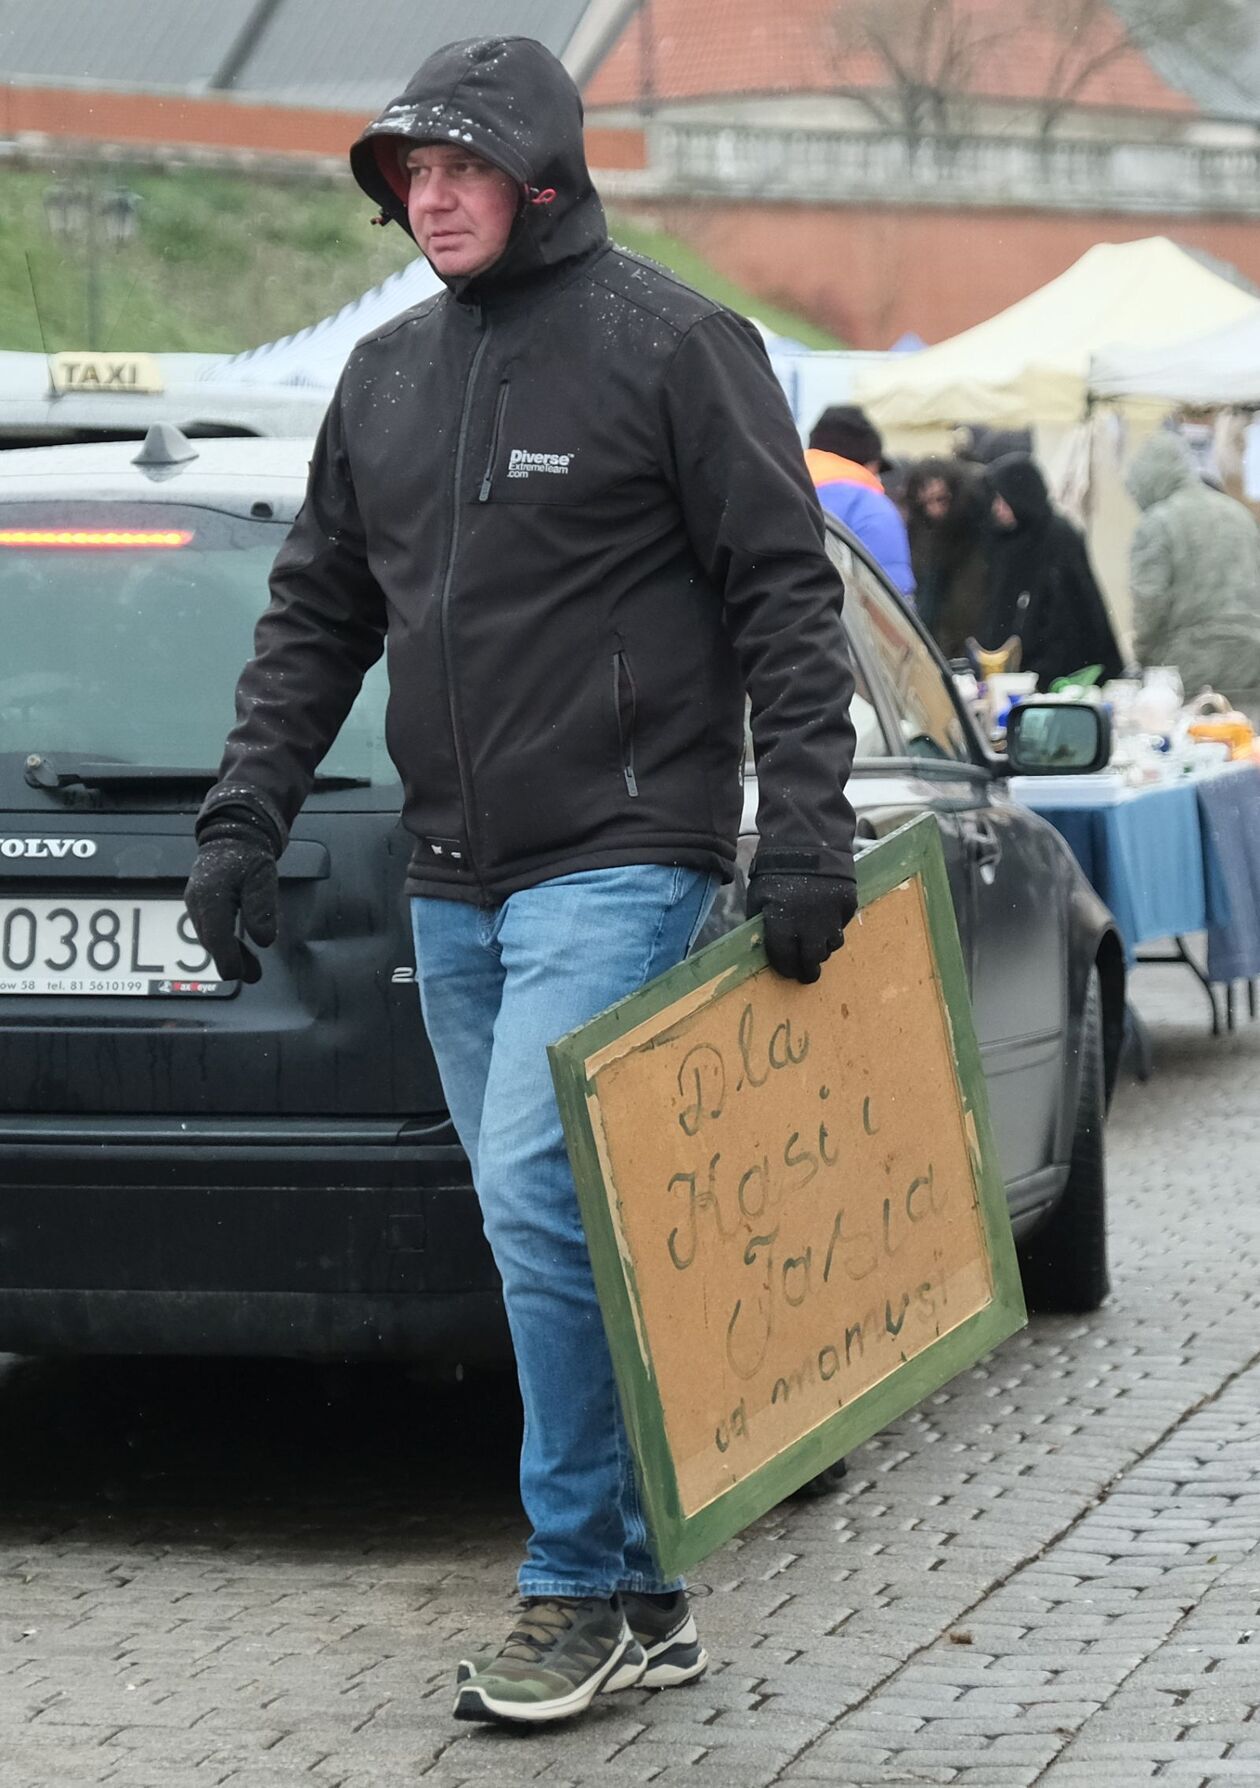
[84,211]
[120,210]
[647,59]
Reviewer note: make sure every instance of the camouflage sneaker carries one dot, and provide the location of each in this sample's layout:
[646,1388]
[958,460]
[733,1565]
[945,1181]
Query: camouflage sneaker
[666,1630]
[562,1652]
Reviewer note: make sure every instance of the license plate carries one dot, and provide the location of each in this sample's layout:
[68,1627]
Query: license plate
[119,947]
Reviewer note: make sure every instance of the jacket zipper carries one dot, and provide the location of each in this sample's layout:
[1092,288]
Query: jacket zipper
[461,762]
[627,716]
[488,475]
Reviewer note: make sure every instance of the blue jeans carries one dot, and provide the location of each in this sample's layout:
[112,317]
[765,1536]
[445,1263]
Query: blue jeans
[497,985]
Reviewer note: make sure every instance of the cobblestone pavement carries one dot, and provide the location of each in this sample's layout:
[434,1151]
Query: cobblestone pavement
[1050,1574]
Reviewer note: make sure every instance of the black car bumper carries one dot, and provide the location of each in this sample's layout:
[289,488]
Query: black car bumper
[303,1239]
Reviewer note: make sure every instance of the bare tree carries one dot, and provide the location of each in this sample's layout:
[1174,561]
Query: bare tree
[927,49]
[1093,34]
[929,52]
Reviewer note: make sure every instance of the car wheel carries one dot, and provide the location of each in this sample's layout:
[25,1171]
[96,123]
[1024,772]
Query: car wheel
[1064,1265]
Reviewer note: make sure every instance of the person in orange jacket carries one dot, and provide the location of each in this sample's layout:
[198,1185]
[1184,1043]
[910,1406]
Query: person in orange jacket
[845,459]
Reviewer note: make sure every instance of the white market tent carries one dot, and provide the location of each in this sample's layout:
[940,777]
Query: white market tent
[1030,364]
[1218,370]
[315,356]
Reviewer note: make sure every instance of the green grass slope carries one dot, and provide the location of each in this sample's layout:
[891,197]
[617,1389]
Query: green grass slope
[222,262]
[219,262]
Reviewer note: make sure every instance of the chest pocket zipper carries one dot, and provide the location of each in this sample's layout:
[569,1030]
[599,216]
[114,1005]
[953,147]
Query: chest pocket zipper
[499,407]
[626,703]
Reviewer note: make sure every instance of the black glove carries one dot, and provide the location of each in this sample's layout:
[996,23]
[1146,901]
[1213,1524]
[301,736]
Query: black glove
[234,875]
[804,917]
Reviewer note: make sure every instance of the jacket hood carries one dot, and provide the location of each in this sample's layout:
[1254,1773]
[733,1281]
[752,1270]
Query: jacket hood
[1160,466]
[512,102]
[1019,480]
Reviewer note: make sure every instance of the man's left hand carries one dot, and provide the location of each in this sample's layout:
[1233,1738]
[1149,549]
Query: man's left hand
[804,917]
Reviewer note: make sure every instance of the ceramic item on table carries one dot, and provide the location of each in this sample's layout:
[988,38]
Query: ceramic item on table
[1214,719]
[1079,683]
[1143,759]
[1003,690]
[1207,754]
[1006,685]
[1119,695]
[1157,704]
[996,661]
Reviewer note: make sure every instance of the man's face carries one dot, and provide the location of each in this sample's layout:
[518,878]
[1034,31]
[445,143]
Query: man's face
[934,500]
[1003,514]
[461,209]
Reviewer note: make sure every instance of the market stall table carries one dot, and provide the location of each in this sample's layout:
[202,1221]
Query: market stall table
[1229,813]
[1169,861]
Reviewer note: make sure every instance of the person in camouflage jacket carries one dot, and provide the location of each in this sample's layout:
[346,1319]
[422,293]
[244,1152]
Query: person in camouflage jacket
[1194,575]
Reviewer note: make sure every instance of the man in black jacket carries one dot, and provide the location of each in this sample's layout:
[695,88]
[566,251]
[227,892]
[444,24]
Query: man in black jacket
[566,498]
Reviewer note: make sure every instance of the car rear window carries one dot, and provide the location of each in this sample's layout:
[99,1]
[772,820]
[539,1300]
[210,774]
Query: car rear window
[123,629]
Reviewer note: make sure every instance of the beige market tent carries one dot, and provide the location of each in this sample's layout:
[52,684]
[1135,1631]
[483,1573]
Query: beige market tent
[1030,364]
[1218,370]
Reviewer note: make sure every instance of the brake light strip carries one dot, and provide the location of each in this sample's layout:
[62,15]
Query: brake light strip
[94,537]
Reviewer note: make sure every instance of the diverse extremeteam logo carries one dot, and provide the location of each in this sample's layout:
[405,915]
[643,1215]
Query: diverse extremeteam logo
[522,464]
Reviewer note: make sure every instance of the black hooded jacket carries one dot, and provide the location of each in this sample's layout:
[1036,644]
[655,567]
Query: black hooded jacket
[1042,588]
[568,498]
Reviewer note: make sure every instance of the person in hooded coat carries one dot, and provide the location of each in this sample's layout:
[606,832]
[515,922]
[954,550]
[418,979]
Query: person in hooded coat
[947,511]
[1194,575]
[1042,589]
[567,498]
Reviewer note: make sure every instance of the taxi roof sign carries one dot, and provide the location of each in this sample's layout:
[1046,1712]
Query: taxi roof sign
[137,374]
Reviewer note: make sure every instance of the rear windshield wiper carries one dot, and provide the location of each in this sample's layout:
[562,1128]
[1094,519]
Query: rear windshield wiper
[43,772]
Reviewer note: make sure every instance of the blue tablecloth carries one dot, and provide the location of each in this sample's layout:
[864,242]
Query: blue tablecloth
[1229,813]
[1174,860]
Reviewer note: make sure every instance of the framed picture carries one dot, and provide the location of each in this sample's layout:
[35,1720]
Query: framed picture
[792,1200]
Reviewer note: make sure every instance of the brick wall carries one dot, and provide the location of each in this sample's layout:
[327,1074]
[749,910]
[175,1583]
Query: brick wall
[152,120]
[871,273]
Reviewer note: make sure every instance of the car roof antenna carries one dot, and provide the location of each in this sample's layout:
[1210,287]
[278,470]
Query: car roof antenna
[39,318]
[165,449]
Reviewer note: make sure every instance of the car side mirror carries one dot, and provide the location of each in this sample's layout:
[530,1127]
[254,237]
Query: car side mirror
[1057,738]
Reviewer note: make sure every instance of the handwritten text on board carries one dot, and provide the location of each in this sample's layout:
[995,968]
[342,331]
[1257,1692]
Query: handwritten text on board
[795,1194]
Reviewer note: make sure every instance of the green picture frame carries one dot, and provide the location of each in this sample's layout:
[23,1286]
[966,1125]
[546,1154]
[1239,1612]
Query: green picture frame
[681,1539]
